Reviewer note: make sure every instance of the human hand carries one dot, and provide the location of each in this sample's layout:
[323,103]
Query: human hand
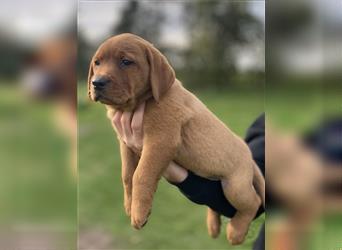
[129,127]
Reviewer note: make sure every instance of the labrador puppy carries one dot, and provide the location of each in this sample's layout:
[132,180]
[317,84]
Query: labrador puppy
[125,71]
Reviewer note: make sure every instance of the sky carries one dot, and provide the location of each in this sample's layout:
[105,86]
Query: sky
[96,18]
[33,20]
[30,21]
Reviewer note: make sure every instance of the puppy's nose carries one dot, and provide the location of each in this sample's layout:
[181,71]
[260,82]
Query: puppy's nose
[99,82]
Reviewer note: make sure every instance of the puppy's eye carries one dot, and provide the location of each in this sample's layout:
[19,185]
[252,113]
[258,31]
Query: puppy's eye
[126,62]
[97,62]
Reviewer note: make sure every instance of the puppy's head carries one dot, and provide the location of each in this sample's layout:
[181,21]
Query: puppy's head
[126,68]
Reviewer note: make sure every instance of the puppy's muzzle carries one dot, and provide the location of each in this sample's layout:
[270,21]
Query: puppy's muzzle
[99,82]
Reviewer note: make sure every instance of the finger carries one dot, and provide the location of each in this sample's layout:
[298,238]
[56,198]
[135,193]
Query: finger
[137,123]
[126,126]
[116,122]
[175,173]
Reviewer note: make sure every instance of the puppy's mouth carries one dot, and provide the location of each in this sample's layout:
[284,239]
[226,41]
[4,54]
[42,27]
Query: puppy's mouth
[99,97]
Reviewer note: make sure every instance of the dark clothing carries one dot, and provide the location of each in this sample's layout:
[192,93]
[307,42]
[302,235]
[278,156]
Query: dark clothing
[259,243]
[255,139]
[326,140]
[208,192]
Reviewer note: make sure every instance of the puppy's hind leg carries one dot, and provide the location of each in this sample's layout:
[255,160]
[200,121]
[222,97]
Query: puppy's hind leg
[213,223]
[239,190]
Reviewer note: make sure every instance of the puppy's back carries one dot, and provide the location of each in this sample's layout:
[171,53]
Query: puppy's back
[208,147]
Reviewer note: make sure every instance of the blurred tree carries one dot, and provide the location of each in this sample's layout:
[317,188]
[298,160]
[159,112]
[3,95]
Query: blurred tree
[12,53]
[286,23]
[141,18]
[216,28]
[287,19]
[84,55]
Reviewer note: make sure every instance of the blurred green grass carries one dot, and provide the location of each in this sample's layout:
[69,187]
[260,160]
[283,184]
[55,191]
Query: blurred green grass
[175,223]
[34,160]
[36,189]
[33,153]
[299,108]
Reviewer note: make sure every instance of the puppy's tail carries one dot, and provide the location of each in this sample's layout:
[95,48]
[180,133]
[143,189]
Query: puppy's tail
[259,183]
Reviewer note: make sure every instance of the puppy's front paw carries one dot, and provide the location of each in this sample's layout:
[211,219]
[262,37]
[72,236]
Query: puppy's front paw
[127,206]
[139,214]
[139,220]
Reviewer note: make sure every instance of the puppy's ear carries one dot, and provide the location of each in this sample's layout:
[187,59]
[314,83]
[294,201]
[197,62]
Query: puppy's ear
[90,75]
[162,74]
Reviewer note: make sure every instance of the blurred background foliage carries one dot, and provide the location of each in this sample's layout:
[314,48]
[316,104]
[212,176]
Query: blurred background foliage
[215,32]
[38,207]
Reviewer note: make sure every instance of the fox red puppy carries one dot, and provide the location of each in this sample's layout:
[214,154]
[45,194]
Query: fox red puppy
[125,71]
